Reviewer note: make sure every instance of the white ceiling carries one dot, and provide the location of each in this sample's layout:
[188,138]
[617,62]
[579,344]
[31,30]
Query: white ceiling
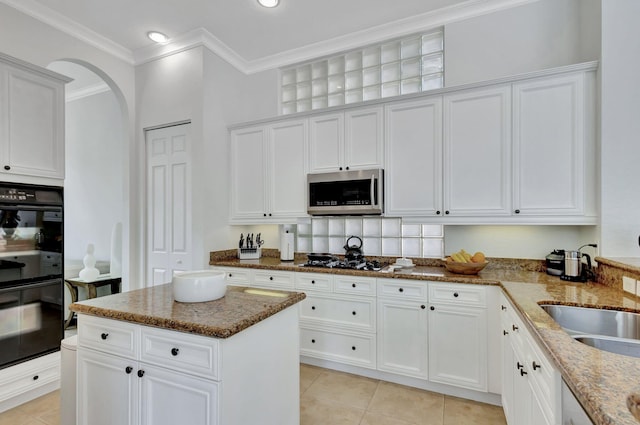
[247,32]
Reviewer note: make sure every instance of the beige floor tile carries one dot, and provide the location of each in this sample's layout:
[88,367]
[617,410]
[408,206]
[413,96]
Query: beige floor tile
[378,419]
[51,418]
[314,411]
[346,389]
[42,405]
[14,417]
[308,374]
[458,411]
[408,404]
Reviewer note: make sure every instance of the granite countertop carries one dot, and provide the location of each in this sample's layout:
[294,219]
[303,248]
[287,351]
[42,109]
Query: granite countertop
[605,383]
[221,318]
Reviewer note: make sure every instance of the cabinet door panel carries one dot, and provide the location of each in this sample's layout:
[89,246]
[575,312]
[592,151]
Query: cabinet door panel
[100,375]
[35,125]
[413,158]
[326,142]
[247,173]
[287,171]
[363,138]
[549,146]
[477,152]
[161,391]
[458,346]
[402,337]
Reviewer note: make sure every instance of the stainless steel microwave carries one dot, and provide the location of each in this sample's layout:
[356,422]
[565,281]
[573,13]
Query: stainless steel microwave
[356,192]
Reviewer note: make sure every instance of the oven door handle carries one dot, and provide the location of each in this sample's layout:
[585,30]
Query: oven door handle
[30,285]
[14,207]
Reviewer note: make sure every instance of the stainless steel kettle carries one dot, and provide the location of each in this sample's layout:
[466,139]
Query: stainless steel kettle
[574,268]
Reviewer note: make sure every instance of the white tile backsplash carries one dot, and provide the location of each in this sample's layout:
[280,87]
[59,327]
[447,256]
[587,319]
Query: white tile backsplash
[320,244]
[411,230]
[391,228]
[411,247]
[372,246]
[319,227]
[336,226]
[371,227]
[336,244]
[391,246]
[432,247]
[353,226]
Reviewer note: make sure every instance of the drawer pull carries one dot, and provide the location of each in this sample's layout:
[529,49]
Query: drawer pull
[522,372]
[35,377]
[536,365]
[313,282]
[313,307]
[175,351]
[128,370]
[505,332]
[455,294]
[104,335]
[270,277]
[432,308]
[514,327]
[140,373]
[353,348]
[353,285]
[519,365]
[423,306]
[353,312]
[313,341]
[400,290]
[504,307]
[230,274]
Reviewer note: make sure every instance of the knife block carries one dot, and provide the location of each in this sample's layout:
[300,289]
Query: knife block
[249,253]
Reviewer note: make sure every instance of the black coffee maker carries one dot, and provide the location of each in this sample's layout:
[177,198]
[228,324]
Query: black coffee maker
[569,265]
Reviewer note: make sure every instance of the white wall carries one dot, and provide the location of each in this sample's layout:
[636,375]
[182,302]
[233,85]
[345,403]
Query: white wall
[94,174]
[538,35]
[620,127]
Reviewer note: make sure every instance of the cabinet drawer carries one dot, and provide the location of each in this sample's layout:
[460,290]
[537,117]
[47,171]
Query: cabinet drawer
[273,279]
[402,289]
[110,336]
[355,285]
[27,376]
[473,295]
[182,352]
[314,282]
[358,350]
[545,380]
[238,276]
[358,314]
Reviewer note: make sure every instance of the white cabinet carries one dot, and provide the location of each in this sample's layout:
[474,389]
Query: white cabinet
[31,120]
[530,382]
[268,173]
[402,327]
[413,158]
[477,152]
[553,146]
[458,335]
[346,141]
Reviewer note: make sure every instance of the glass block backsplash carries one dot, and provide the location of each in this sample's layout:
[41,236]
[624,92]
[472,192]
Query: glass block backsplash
[380,236]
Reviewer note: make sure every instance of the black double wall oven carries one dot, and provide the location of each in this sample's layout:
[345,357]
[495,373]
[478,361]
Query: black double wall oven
[31,271]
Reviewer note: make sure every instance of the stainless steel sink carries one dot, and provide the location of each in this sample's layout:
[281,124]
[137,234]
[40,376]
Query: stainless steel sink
[595,321]
[608,330]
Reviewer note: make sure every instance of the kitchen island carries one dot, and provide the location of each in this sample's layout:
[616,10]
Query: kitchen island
[145,359]
[606,384]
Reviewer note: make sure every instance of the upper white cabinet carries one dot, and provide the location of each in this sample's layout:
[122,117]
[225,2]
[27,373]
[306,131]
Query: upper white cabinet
[268,173]
[413,158]
[348,140]
[477,152]
[31,120]
[553,146]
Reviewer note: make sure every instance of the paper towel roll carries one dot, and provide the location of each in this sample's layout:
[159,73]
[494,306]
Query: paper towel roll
[286,246]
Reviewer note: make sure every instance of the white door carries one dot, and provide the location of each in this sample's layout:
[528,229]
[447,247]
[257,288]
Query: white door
[168,203]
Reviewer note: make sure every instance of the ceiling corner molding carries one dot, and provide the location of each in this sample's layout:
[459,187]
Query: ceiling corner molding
[70,27]
[395,29]
[71,95]
[189,40]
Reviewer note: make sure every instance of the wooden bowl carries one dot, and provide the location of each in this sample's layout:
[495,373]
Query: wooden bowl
[465,268]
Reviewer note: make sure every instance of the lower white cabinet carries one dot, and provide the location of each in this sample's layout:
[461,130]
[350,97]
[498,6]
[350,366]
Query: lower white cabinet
[29,380]
[352,348]
[458,335]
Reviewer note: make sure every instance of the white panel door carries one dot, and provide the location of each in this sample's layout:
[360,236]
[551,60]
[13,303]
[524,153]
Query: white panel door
[477,152]
[168,203]
[413,158]
[363,142]
[35,126]
[327,142]
[248,173]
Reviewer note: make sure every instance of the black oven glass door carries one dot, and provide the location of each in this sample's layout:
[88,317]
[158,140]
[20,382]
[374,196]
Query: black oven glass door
[31,321]
[343,193]
[30,243]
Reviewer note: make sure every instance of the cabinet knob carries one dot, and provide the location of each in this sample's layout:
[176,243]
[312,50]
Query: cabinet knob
[514,327]
[313,307]
[353,348]
[446,212]
[432,308]
[536,365]
[230,275]
[517,211]
[353,312]
[400,290]
[503,307]
[313,341]
[265,214]
[455,294]
[423,306]
[140,373]
[505,332]
[104,335]
[438,212]
[36,377]
[519,365]
[340,168]
[522,372]
[128,370]
[313,282]
[6,167]
[269,214]
[175,351]
[353,285]
[270,277]
[347,168]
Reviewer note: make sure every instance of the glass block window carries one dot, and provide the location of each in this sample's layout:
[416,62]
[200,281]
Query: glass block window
[381,236]
[410,65]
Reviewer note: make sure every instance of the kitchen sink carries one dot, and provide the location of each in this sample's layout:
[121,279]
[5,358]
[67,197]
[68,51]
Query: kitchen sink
[608,330]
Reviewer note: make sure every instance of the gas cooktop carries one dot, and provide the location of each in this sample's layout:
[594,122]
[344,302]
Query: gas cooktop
[333,262]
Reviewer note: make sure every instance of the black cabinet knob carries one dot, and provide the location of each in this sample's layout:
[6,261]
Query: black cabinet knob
[313,307]
[230,275]
[400,290]
[6,167]
[519,365]
[313,282]
[423,306]
[505,332]
[140,373]
[432,308]
[353,312]
[265,214]
[36,377]
[438,212]
[522,372]
[104,336]
[313,341]
[347,168]
[517,211]
[536,365]
[270,277]
[446,212]
[353,348]
[340,168]
[175,351]
[353,285]
[514,328]
[269,214]
[455,294]
[128,370]
[503,307]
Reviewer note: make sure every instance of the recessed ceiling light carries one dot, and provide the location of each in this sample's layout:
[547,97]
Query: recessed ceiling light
[158,37]
[269,3]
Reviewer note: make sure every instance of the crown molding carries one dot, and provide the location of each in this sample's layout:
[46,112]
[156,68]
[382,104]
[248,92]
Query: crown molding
[81,93]
[70,27]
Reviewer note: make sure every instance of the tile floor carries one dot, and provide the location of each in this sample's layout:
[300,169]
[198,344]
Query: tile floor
[331,398]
